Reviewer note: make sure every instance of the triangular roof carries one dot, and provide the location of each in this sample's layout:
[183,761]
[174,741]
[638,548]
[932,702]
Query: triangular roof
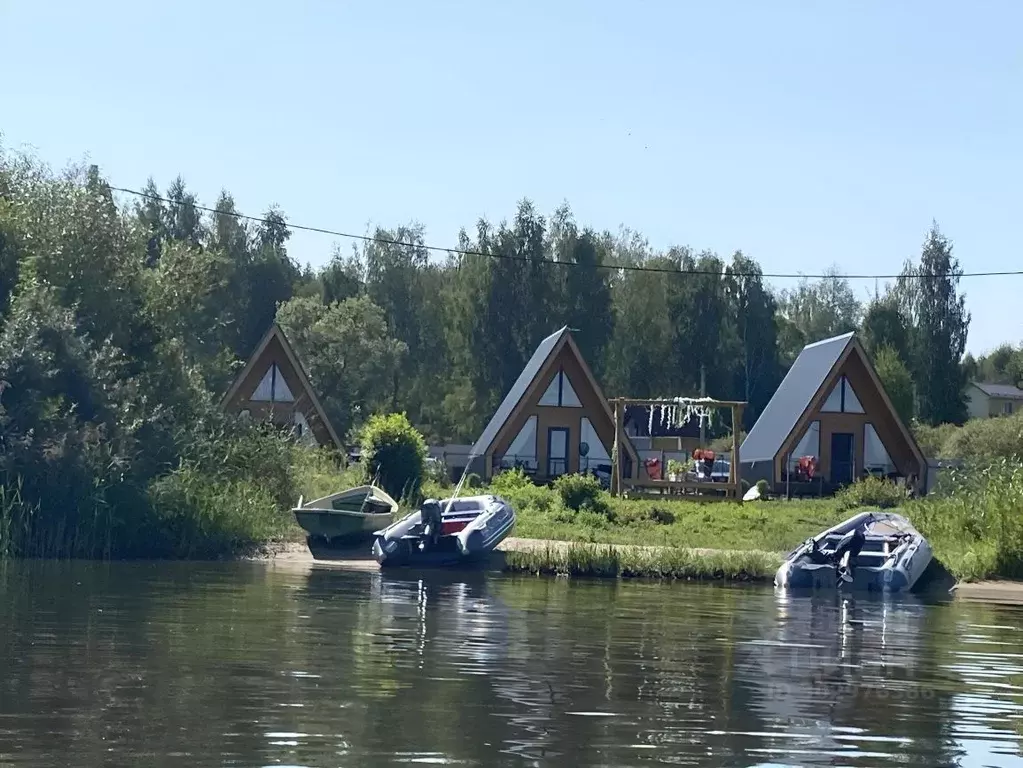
[813,368]
[276,332]
[547,350]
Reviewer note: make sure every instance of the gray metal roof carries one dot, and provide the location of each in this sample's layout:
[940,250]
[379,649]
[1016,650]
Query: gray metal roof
[999,390]
[504,410]
[794,394]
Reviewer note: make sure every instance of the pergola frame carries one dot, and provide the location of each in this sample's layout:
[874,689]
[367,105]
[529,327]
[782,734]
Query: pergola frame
[732,489]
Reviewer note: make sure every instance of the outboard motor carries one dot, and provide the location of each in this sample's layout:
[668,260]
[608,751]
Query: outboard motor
[432,518]
[847,549]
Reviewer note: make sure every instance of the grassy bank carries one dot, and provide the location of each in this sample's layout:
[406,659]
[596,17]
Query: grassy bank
[974,521]
[579,511]
[625,561]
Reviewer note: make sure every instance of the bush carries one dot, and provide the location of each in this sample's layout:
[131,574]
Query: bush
[437,473]
[577,490]
[986,439]
[515,487]
[661,516]
[198,515]
[871,492]
[764,488]
[510,481]
[394,453]
[974,524]
[977,440]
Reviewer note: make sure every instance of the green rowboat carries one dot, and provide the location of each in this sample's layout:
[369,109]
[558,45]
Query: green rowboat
[346,516]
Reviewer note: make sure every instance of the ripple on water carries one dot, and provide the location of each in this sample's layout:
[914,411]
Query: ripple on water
[246,666]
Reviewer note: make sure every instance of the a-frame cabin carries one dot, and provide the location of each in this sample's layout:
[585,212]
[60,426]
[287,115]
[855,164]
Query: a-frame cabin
[274,385]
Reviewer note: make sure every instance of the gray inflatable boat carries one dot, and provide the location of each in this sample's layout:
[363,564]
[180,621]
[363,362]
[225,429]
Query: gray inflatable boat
[873,551]
[447,532]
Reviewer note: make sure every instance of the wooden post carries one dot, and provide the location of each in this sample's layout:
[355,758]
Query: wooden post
[616,457]
[736,469]
[703,393]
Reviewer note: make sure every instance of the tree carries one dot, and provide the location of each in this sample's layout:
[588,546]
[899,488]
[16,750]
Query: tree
[394,455]
[342,278]
[940,337]
[696,309]
[586,295]
[395,263]
[822,309]
[351,357]
[751,313]
[896,379]
[639,354]
[1002,365]
[886,325]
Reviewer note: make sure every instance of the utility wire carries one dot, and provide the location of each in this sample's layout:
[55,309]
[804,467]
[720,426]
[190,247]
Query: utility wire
[513,257]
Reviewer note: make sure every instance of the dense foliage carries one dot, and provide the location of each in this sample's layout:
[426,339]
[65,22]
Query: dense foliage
[122,321]
[974,522]
[393,453]
[977,441]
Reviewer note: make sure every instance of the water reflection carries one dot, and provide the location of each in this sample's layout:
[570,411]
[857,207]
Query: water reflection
[243,665]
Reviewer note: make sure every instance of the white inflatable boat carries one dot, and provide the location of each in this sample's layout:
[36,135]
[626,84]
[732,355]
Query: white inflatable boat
[446,532]
[874,551]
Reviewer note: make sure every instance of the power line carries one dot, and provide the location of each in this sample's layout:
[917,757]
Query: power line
[512,257]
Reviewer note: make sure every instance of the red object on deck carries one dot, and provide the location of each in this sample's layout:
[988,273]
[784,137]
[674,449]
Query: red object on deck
[806,467]
[703,454]
[653,468]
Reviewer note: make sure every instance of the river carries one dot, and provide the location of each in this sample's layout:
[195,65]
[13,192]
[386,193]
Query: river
[245,664]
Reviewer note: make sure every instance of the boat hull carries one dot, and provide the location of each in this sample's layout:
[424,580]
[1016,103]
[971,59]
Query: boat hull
[875,569]
[349,516]
[472,528]
[330,524]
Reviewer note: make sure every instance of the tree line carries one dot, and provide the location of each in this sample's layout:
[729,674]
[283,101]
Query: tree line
[156,297]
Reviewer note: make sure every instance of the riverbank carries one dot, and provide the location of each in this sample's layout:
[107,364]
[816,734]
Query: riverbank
[567,558]
[570,558]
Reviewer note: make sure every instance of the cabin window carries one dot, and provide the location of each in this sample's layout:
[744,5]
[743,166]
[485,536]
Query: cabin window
[302,431]
[596,457]
[522,450]
[273,388]
[809,445]
[1007,407]
[842,399]
[876,459]
[560,393]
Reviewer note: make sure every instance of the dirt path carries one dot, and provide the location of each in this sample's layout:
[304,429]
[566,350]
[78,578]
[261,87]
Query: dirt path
[1007,592]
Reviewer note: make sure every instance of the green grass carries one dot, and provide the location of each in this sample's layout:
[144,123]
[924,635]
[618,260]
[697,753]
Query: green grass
[772,526]
[975,522]
[612,561]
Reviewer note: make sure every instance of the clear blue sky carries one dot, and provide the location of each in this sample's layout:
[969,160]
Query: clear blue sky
[805,134]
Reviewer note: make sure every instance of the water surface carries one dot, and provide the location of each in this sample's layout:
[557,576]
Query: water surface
[249,665]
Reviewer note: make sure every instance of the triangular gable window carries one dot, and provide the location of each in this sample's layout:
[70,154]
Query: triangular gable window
[273,388]
[809,445]
[522,451]
[875,455]
[560,393]
[842,399]
[302,431]
[596,453]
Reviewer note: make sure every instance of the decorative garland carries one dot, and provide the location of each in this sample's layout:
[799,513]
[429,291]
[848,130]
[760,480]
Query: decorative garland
[677,411]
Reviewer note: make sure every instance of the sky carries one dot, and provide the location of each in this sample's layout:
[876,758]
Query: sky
[805,134]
